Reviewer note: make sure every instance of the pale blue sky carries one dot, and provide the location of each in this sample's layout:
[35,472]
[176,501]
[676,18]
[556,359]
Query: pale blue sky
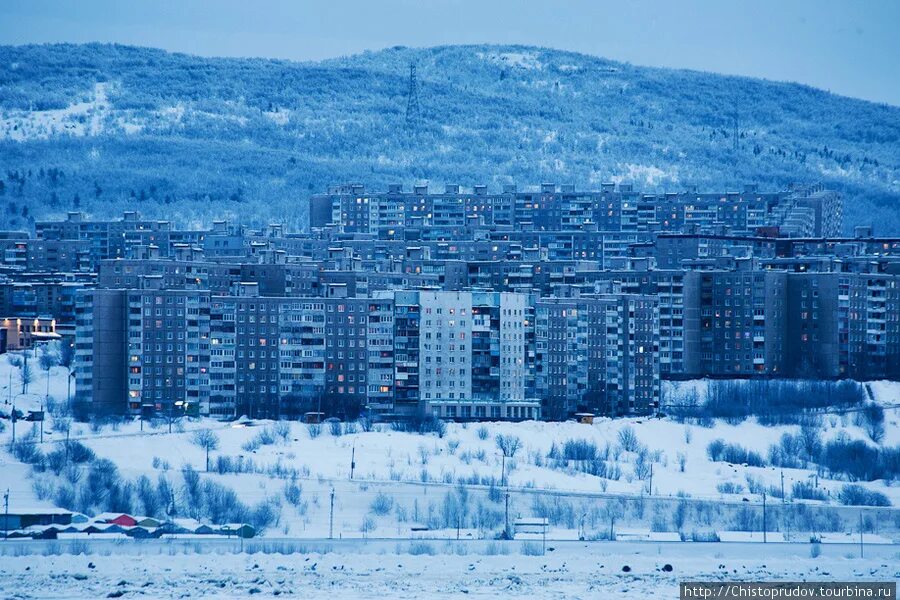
[850,47]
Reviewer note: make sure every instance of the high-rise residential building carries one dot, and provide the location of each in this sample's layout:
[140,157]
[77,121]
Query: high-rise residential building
[139,349]
[457,214]
[734,323]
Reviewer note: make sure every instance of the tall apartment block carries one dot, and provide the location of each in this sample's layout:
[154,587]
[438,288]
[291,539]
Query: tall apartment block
[462,354]
[734,323]
[150,347]
[455,214]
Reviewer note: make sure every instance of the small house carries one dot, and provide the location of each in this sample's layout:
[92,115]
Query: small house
[238,530]
[22,518]
[116,519]
[141,533]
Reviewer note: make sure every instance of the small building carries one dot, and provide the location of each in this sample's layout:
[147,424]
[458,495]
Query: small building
[23,333]
[116,519]
[104,528]
[238,530]
[22,518]
[141,533]
[536,525]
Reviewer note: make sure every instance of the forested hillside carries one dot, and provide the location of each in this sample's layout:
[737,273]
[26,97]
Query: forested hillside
[101,128]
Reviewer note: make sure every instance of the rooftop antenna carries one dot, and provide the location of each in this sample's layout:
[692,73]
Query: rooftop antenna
[412,102]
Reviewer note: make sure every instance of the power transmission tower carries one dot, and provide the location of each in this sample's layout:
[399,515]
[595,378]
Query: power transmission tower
[412,100]
[735,128]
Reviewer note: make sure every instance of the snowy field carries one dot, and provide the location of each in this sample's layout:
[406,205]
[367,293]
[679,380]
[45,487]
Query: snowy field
[417,515]
[657,480]
[392,570]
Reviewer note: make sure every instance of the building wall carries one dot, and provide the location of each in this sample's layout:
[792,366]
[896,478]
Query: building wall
[101,346]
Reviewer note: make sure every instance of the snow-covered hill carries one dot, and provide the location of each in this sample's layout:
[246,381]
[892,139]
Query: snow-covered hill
[137,125]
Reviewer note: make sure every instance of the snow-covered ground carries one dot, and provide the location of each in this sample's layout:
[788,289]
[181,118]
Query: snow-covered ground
[84,118]
[439,570]
[414,476]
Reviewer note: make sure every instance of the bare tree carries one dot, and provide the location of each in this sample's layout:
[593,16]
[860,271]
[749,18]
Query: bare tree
[48,360]
[207,440]
[26,373]
[67,359]
[873,422]
[508,445]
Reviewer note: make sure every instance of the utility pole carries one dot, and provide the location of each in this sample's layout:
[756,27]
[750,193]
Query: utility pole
[544,525]
[13,419]
[764,517]
[353,460]
[782,486]
[6,515]
[650,493]
[860,534]
[331,517]
[507,514]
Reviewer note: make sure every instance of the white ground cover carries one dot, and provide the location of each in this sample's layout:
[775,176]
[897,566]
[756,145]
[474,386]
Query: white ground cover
[388,570]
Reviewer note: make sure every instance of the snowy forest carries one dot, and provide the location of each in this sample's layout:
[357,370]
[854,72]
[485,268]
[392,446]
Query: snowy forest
[102,128]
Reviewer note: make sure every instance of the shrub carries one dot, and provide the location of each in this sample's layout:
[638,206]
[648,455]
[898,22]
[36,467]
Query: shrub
[382,504]
[856,495]
[25,450]
[79,453]
[56,460]
[873,422]
[860,462]
[64,497]
[718,450]
[483,433]
[579,450]
[293,492]
[282,430]
[628,439]
[773,402]
[715,449]
[421,425]
[728,487]
[266,436]
[421,548]
[807,491]
[531,549]
[265,514]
